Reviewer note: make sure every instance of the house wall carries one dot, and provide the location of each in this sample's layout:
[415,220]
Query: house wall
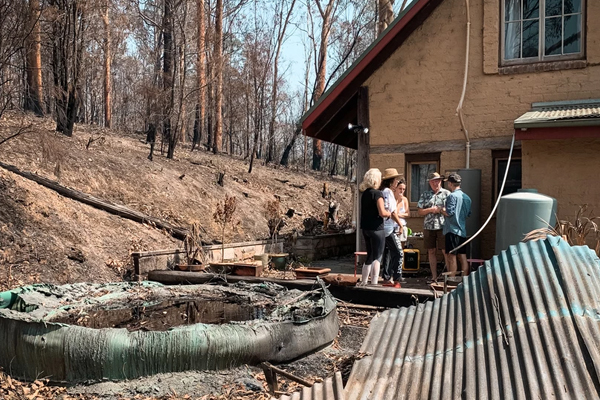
[566,170]
[414,94]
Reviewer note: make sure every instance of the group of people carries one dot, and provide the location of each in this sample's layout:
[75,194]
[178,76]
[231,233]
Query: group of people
[384,210]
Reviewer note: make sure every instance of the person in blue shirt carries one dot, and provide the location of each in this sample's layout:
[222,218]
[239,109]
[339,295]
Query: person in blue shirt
[456,210]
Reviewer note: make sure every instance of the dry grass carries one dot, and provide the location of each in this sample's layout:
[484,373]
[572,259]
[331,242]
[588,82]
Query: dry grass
[583,230]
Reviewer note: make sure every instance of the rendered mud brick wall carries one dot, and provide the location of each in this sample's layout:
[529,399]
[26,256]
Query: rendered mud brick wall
[564,169]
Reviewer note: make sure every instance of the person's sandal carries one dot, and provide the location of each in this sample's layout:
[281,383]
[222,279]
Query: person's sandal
[431,281]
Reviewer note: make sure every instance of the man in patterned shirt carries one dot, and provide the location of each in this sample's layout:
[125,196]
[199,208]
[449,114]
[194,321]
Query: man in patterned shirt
[430,206]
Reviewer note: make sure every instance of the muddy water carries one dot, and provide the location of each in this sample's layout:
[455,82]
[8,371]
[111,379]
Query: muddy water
[165,315]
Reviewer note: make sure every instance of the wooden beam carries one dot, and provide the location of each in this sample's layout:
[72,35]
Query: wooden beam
[558,133]
[362,156]
[116,209]
[502,142]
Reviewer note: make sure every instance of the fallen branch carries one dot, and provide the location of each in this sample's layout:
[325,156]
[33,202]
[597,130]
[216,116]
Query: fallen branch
[360,306]
[92,140]
[273,369]
[21,130]
[121,211]
[299,186]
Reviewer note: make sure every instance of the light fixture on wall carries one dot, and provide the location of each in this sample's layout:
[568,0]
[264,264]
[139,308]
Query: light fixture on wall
[357,128]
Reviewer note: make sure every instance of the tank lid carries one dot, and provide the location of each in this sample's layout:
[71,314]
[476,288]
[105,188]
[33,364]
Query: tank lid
[528,190]
[528,195]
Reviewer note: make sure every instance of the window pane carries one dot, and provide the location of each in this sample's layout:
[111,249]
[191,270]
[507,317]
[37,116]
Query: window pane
[572,34]
[513,181]
[531,35]
[512,10]
[572,6]
[553,36]
[418,179]
[512,41]
[553,7]
[531,9]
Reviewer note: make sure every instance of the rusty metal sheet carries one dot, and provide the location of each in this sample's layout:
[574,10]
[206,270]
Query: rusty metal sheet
[330,389]
[524,326]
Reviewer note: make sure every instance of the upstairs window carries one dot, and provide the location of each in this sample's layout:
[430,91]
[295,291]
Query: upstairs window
[542,30]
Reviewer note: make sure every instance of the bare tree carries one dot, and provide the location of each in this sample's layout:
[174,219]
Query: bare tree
[34,93]
[283,24]
[218,58]
[168,79]
[107,64]
[386,15]
[200,75]
[68,29]
[327,14]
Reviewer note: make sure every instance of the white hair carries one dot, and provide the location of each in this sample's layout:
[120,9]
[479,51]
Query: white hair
[372,179]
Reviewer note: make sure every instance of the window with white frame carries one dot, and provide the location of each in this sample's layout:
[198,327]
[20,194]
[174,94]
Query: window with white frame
[542,30]
[418,167]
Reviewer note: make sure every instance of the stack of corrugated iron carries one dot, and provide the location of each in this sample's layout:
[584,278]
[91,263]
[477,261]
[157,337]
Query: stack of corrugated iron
[524,326]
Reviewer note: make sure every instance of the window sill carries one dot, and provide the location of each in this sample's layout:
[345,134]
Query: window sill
[542,67]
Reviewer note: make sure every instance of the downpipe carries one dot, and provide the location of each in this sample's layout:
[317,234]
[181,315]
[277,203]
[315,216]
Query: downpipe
[459,109]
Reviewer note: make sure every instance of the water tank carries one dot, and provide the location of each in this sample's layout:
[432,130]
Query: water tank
[520,213]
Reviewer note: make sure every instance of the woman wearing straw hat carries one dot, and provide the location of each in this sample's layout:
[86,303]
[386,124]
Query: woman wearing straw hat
[393,253]
[372,214]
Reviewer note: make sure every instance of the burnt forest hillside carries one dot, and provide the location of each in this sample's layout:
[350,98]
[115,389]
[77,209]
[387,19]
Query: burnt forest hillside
[45,237]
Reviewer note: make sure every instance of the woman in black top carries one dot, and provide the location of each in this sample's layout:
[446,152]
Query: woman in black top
[372,213]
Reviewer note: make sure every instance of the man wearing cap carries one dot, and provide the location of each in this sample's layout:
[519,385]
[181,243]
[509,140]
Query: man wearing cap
[430,206]
[456,210]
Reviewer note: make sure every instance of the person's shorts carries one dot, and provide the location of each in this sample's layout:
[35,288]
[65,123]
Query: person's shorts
[453,241]
[433,239]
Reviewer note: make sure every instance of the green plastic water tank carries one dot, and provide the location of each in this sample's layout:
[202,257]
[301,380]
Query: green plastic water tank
[520,213]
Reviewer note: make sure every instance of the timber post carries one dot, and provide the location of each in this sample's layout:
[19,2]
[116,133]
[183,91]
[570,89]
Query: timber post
[362,157]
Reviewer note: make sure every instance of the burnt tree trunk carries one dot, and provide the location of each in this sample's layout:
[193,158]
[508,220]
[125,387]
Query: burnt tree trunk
[280,36]
[107,65]
[68,31]
[218,57]
[334,160]
[200,75]
[168,81]
[326,15]
[285,158]
[34,92]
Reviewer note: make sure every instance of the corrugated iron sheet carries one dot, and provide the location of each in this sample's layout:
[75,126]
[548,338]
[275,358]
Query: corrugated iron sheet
[559,111]
[330,389]
[524,326]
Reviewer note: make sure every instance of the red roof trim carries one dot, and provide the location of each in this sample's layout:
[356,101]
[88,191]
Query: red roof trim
[383,42]
[558,133]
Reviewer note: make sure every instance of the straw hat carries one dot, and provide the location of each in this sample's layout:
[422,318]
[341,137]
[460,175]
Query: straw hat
[433,176]
[390,173]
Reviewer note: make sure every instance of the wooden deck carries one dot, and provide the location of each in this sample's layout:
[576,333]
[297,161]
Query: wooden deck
[370,295]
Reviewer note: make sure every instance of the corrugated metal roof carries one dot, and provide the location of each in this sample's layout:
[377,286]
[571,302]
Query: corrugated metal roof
[330,389]
[524,326]
[568,113]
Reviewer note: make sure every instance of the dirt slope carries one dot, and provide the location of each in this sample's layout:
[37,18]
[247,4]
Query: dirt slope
[46,237]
